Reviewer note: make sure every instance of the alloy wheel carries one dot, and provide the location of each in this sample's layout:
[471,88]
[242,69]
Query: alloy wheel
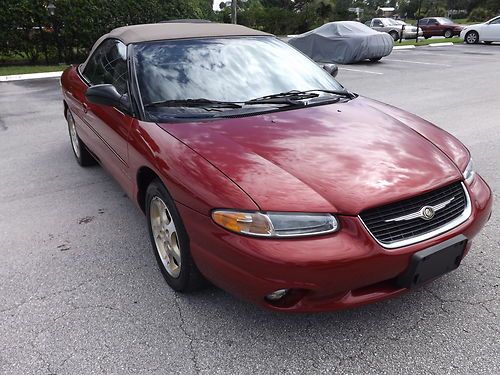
[471,37]
[165,236]
[73,135]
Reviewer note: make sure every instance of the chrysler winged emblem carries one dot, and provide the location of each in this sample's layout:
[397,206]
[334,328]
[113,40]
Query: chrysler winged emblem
[425,213]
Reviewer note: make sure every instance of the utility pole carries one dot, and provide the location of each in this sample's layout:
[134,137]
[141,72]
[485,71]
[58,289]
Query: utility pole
[233,11]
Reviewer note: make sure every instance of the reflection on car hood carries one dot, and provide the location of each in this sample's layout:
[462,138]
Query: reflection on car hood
[342,157]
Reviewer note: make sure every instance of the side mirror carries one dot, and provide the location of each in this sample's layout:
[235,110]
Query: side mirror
[332,69]
[106,94]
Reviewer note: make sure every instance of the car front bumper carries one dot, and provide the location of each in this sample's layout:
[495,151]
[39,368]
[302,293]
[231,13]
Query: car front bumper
[412,34]
[342,270]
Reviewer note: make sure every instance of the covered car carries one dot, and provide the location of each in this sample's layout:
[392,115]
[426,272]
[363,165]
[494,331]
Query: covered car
[343,42]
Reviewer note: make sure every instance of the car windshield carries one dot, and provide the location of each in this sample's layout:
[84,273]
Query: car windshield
[445,21]
[391,22]
[223,70]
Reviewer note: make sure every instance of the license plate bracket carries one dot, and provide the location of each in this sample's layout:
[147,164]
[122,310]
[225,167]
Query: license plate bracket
[432,262]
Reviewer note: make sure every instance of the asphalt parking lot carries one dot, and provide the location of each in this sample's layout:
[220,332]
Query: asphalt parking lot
[80,292]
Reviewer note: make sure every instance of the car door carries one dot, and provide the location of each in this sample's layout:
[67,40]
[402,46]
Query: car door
[108,65]
[422,24]
[491,31]
[377,24]
[433,27]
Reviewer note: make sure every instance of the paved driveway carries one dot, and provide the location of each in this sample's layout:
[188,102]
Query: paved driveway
[80,292]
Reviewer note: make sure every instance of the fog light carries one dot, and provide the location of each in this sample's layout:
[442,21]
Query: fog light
[277,294]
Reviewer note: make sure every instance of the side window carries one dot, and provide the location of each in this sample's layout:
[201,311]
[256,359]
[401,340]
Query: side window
[495,22]
[422,22]
[108,64]
[378,23]
[432,21]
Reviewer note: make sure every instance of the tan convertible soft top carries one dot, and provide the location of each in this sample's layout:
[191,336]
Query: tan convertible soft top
[162,31]
[176,30]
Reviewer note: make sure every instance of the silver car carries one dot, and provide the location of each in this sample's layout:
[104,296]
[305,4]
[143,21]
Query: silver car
[394,28]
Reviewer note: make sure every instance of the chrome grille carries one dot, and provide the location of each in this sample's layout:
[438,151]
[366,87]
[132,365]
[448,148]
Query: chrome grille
[395,224]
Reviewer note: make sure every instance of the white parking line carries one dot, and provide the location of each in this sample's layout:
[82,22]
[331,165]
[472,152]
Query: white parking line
[360,71]
[454,55]
[20,77]
[418,62]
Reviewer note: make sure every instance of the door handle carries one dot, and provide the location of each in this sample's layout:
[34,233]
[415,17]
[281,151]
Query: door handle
[85,107]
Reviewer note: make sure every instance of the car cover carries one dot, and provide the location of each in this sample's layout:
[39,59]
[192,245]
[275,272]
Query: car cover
[343,42]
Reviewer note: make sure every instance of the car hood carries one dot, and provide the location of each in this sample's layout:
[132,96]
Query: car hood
[467,27]
[343,158]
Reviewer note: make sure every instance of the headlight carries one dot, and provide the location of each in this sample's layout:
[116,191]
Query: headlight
[469,172]
[275,224]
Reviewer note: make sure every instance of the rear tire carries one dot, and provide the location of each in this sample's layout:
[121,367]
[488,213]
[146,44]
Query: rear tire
[375,59]
[472,37]
[394,35]
[448,33]
[170,241]
[82,155]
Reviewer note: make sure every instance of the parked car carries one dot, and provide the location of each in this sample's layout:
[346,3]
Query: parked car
[487,32]
[343,42]
[439,26]
[412,28]
[258,171]
[394,28]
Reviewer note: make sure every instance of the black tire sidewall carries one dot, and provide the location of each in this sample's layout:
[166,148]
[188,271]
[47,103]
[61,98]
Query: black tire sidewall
[181,283]
[448,31]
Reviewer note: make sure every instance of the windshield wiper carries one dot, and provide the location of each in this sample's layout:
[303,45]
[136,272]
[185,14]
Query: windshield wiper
[201,102]
[343,93]
[292,97]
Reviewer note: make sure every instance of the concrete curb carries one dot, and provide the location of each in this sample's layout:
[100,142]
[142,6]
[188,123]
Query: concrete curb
[440,44]
[20,77]
[403,47]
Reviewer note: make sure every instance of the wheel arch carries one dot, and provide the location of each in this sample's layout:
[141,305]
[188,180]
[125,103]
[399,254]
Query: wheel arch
[144,177]
[473,31]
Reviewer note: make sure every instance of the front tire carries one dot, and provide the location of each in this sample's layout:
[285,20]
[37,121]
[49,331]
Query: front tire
[375,59]
[82,155]
[394,35]
[472,37]
[448,33]
[170,241]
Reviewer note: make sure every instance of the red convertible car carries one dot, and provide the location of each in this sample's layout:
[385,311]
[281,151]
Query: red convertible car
[258,171]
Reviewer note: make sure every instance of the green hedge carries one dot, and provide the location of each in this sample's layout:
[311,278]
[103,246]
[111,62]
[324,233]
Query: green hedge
[26,29]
